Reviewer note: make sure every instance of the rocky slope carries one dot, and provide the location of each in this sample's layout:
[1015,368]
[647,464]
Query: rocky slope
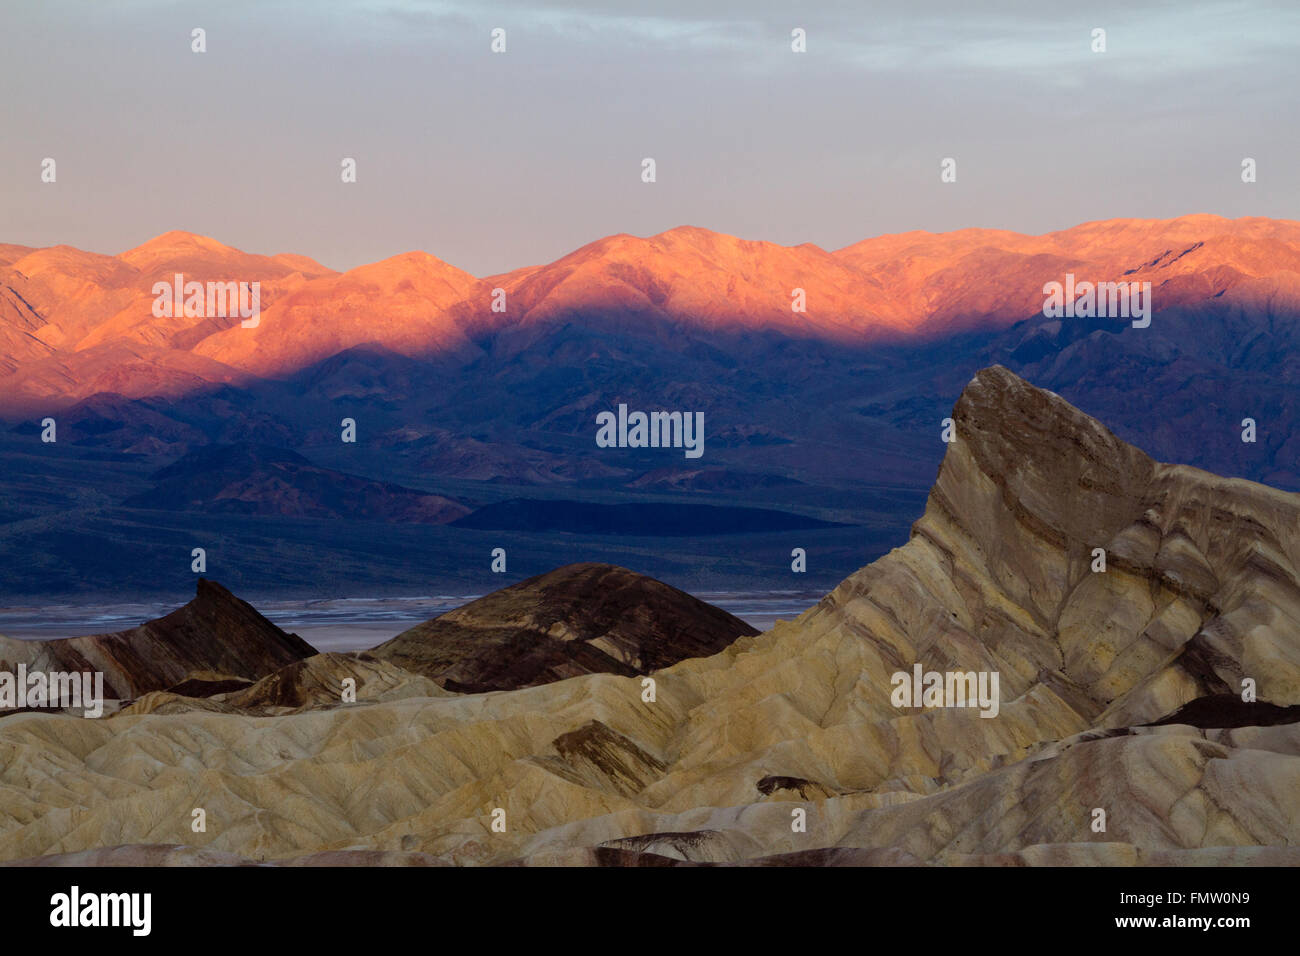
[408,304]
[249,478]
[80,323]
[579,619]
[216,635]
[1199,593]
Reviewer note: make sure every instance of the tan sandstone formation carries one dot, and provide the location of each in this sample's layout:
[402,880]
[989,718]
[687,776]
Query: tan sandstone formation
[1199,593]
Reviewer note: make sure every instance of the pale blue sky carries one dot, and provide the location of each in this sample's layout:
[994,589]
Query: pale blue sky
[498,161]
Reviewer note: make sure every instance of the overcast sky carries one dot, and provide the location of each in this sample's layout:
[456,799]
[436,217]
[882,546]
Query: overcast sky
[494,161]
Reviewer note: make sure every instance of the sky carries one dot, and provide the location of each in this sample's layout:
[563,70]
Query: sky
[493,161]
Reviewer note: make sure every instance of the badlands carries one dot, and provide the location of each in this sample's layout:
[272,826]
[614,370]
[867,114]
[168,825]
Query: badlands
[1127,732]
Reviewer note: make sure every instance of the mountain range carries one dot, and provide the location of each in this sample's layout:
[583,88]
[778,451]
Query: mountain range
[832,415]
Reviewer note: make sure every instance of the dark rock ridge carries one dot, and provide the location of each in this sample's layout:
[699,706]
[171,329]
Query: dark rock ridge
[1228,711]
[219,654]
[640,518]
[578,619]
[251,478]
[214,634]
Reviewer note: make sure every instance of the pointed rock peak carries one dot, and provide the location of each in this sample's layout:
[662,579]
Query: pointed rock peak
[217,616]
[216,632]
[996,392]
[1012,421]
[1056,467]
[212,600]
[211,591]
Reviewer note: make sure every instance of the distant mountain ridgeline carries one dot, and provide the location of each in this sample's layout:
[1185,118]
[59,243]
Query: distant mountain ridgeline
[646,519]
[831,417]
[890,330]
